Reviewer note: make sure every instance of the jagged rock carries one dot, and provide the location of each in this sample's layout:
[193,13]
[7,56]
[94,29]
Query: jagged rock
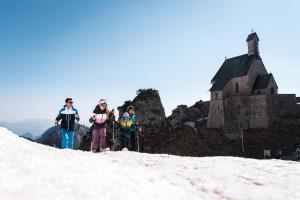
[150,115]
[52,136]
[196,113]
[148,108]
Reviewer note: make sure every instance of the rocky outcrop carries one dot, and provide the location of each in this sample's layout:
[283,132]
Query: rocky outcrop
[52,136]
[150,116]
[148,108]
[184,115]
[159,131]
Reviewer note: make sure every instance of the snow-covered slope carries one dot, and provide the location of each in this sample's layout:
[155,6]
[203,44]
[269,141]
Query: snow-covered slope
[33,171]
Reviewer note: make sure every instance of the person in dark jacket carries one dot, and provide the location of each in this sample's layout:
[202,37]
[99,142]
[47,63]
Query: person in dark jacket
[133,135]
[68,114]
[100,118]
[126,128]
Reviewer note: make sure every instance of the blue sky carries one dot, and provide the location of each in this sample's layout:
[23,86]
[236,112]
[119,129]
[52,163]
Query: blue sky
[50,50]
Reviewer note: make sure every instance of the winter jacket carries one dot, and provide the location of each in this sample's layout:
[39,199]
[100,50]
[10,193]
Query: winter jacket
[68,117]
[101,118]
[133,118]
[126,127]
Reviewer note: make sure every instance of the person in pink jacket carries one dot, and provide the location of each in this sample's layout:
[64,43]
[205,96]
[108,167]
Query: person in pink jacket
[99,118]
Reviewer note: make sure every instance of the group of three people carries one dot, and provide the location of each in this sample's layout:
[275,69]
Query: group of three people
[127,126]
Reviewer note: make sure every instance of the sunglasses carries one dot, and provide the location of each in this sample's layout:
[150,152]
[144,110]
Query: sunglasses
[103,104]
[70,102]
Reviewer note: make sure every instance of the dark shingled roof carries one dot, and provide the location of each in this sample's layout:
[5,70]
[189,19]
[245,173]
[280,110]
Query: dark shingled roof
[231,68]
[252,36]
[262,81]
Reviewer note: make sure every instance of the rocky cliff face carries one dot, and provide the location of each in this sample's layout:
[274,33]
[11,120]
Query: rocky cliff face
[150,116]
[148,108]
[184,115]
[159,130]
[52,136]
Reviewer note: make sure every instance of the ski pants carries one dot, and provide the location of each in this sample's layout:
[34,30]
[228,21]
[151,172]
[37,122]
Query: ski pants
[125,142]
[98,139]
[67,139]
[133,141]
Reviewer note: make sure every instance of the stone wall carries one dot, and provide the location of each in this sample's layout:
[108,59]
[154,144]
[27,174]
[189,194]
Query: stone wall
[258,111]
[245,112]
[281,108]
[230,88]
[216,114]
[214,95]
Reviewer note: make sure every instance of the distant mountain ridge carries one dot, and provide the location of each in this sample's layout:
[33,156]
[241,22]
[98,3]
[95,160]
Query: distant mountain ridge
[30,127]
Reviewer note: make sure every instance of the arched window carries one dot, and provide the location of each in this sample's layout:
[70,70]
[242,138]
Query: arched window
[237,88]
[272,90]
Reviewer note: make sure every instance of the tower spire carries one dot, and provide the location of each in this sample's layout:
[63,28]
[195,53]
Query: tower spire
[252,41]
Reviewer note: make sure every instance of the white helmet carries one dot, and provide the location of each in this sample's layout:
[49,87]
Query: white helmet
[125,115]
[102,101]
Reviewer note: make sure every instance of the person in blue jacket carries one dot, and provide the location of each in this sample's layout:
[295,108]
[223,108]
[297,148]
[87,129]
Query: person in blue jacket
[68,114]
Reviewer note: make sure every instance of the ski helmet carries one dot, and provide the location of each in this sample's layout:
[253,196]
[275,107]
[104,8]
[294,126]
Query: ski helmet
[102,101]
[125,115]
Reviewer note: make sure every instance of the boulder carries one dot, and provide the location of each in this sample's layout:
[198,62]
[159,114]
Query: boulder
[52,136]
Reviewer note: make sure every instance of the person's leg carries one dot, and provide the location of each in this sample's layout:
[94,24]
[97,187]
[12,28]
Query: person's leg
[71,139]
[102,142]
[64,136]
[127,143]
[95,138]
[122,142]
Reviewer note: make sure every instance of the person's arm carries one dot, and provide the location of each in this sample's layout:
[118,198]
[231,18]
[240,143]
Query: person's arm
[77,116]
[92,118]
[58,118]
[134,127]
[135,120]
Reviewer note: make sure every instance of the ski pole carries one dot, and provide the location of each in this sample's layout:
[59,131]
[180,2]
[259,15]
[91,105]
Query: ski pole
[139,129]
[138,141]
[113,147]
